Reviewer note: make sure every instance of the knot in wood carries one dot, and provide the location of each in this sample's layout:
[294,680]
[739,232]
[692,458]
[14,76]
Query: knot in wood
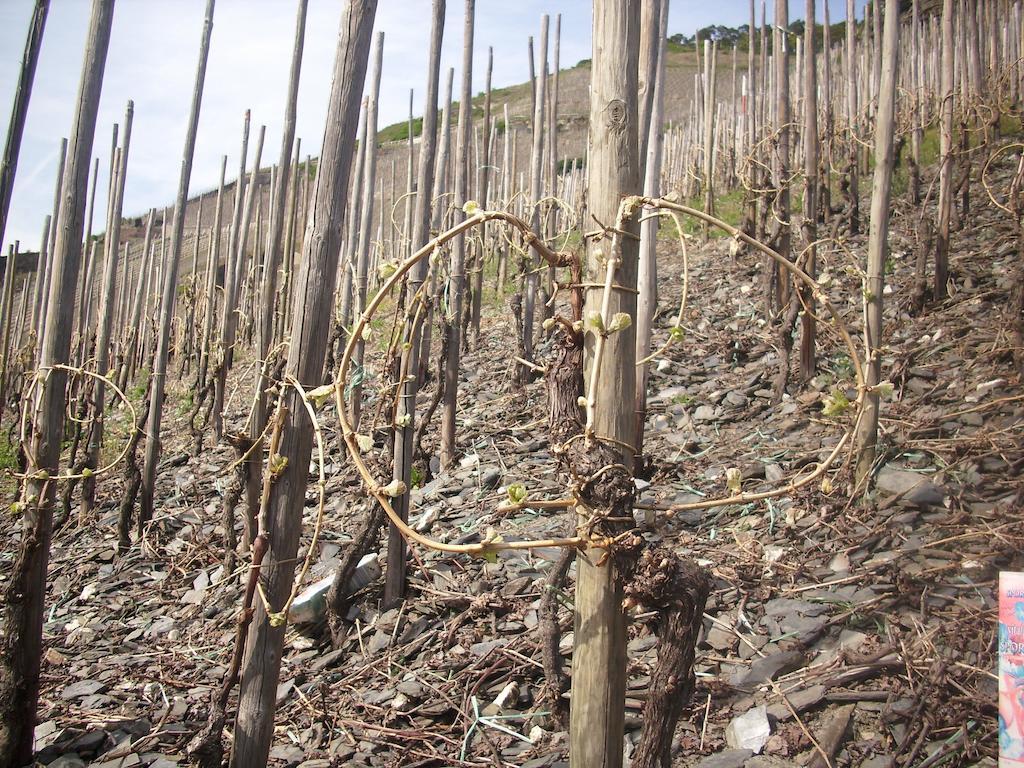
[616,114]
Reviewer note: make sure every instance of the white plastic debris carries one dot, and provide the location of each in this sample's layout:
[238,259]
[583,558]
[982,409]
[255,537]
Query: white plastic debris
[311,604]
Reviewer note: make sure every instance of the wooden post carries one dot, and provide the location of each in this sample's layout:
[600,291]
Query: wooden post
[220,376]
[508,147]
[917,114]
[750,166]
[21,643]
[824,185]
[597,709]
[394,584]
[878,241]
[650,49]
[709,131]
[22,94]
[780,54]
[523,373]
[85,301]
[352,218]
[170,286]
[54,224]
[362,257]
[441,181]
[42,266]
[6,318]
[808,327]
[457,273]
[111,247]
[212,261]
[273,262]
[647,270]
[311,317]
[853,119]
[484,181]
[945,155]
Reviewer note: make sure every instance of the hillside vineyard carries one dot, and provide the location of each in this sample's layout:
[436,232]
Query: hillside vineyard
[661,410]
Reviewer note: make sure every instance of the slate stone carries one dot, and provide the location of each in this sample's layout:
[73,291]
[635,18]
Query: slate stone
[83,688]
[908,485]
[768,668]
[730,758]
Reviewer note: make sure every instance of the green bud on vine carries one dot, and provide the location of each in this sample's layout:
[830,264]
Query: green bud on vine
[517,493]
[394,488]
[733,481]
[835,405]
[620,322]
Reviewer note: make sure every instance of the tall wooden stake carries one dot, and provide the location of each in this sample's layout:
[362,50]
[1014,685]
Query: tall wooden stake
[946,168]
[597,710]
[111,246]
[647,270]
[170,286]
[810,223]
[22,94]
[275,237]
[878,241]
[457,275]
[311,318]
[394,585]
[25,592]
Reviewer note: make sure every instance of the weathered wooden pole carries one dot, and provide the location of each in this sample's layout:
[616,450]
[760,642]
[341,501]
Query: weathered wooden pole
[19,111]
[780,55]
[315,283]
[484,186]
[808,327]
[6,318]
[457,271]
[85,299]
[824,184]
[710,88]
[647,269]
[362,257]
[853,120]
[597,709]
[170,286]
[441,182]
[917,113]
[213,260]
[650,24]
[878,240]
[55,223]
[273,261]
[42,266]
[111,248]
[506,181]
[750,166]
[523,372]
[945,155]
[21,639]
[405,416]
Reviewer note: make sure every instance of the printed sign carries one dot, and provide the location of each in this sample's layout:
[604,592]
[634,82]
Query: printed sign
[1011,669]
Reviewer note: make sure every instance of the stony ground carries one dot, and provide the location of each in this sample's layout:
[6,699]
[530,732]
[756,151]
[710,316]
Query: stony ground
[857,625]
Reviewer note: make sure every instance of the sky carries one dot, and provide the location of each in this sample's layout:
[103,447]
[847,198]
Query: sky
[152,61]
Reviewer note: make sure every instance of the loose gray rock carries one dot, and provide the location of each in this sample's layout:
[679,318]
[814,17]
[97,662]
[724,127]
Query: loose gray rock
[908,485]
[730,758]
